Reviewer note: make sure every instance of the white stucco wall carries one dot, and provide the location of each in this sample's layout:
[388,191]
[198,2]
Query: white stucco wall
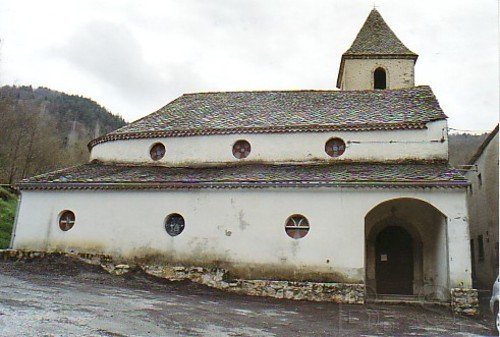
[483,206]
[242,228]
[358,73]
[366,146]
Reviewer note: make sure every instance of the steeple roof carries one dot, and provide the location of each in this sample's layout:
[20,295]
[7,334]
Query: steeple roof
[376,38]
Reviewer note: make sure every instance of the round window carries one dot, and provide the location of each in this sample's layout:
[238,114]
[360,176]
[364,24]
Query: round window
[241,149]
[297,226]
[157,151]
[174,224]
[66,220]
[335,147]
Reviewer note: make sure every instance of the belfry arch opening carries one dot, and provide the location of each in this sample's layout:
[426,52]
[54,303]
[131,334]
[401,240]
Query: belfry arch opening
[379,79]
[406,250]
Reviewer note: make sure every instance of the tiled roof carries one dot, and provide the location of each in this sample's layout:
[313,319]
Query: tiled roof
[376,38]
[106,176]
[285,111]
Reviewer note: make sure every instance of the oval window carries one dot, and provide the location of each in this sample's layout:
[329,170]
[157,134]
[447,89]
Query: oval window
[66,220]
[157,151]
[174,224]
[241,149]
[335,147]
[297,226]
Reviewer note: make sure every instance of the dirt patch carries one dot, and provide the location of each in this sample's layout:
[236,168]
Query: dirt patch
[55,264]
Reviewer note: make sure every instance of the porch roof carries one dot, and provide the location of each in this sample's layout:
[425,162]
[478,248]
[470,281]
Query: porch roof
[97,175]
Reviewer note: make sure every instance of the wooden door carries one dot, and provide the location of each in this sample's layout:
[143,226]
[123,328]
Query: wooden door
[394,265]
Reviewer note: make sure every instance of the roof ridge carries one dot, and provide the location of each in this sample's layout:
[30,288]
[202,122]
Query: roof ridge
[302,90]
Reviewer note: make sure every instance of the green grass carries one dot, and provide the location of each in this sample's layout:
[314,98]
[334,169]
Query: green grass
[8,203]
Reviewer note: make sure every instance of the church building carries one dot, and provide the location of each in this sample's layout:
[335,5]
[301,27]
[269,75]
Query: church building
[346,186]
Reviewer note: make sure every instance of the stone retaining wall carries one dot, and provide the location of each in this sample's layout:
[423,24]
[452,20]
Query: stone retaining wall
[311,291]
[465,301]
[216,278]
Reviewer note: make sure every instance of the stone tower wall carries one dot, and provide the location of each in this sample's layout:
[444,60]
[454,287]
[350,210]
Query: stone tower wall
[358,73]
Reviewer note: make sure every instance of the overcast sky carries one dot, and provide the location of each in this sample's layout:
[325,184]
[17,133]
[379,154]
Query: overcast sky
[133,57]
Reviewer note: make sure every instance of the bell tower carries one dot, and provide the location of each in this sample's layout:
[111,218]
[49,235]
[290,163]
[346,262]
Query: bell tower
[377,59]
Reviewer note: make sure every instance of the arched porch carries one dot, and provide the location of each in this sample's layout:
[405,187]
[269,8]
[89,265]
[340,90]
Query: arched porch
[406,249]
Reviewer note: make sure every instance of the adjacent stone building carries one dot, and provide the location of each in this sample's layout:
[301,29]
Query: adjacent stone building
[483,212]
[348,187]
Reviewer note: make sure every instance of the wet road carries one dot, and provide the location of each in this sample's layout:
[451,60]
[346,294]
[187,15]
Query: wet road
[65,298]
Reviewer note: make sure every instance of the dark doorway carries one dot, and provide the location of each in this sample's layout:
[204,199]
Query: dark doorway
[379,79]
[394,264]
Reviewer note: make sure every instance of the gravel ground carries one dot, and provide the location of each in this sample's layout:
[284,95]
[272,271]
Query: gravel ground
[59,296]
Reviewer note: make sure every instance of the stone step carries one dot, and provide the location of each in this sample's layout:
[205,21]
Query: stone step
[403,299]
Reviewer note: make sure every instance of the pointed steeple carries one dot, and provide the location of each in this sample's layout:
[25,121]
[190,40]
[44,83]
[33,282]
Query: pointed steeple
[377,42]
[376,38]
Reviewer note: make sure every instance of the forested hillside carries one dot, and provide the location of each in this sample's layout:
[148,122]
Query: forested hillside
[463,146]
[43,130]
[8,202]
